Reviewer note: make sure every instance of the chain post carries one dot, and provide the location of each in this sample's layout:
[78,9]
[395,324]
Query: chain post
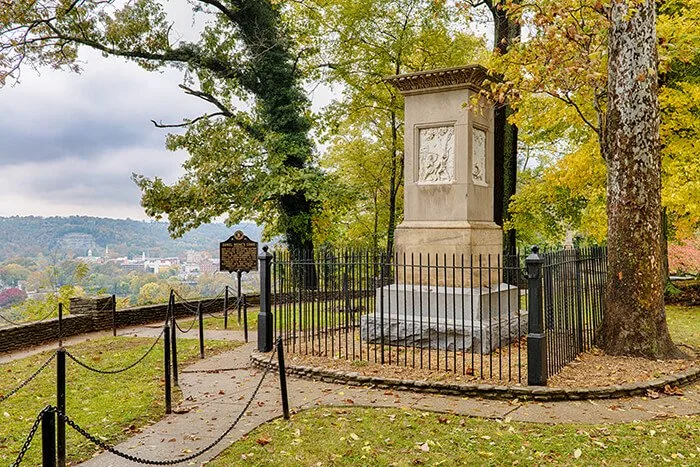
[536,337]
[48,438]
[166,364]
[283,378]
[265,339]
[61,406]
[60,324]
[226,307]
[238,296]
[245,317]
[201,329]
[114,315]
[173,339]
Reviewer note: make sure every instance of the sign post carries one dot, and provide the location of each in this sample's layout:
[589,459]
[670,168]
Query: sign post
[238,254]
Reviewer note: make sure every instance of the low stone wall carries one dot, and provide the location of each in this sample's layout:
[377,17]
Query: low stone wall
[95,314]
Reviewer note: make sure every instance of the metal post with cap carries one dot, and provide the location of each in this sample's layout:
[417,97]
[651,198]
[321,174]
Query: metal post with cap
[265,319]
[536,337]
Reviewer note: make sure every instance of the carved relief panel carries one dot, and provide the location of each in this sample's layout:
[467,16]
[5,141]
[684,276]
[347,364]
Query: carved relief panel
[436,157]
[479,157]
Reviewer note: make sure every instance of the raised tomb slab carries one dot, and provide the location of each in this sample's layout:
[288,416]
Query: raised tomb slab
[451,318]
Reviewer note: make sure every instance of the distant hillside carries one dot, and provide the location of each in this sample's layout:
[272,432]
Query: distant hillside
[33,236]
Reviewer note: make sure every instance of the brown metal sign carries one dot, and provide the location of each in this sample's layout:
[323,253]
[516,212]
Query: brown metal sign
[238,253]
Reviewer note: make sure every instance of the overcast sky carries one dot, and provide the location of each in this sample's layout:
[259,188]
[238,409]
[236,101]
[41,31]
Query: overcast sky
[70,142]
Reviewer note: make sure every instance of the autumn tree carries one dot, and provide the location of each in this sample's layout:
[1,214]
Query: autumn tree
[601,62]
[634,322]
[251,156]
[506,31]
[359,44]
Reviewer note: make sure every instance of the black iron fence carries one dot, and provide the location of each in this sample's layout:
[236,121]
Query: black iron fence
[447,313]
[573,282]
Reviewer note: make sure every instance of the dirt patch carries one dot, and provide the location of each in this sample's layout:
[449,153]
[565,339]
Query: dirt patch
[595,369]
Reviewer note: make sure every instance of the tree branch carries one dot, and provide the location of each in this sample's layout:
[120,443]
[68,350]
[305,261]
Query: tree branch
[188,123]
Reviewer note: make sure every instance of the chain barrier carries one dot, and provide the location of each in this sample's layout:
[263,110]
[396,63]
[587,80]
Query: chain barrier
[204,302]
[28,380]
[121,370]
[43,318]
[188,329]
[30,436]
[139,460]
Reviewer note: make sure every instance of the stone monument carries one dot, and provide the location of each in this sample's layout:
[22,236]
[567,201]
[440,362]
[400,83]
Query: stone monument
[448,212]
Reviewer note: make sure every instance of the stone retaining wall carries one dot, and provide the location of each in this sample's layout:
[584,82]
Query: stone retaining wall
[95,314]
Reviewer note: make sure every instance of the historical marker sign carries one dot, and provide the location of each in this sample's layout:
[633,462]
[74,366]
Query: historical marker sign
[238,254]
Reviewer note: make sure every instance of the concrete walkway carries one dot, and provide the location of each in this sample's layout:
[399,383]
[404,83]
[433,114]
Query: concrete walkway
[216,389]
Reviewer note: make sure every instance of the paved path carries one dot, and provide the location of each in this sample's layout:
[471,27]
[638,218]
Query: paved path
[216,389]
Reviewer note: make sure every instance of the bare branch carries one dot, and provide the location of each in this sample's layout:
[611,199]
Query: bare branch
[187,123]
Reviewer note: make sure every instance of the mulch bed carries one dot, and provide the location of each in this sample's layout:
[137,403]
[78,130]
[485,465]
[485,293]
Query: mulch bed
[590,369]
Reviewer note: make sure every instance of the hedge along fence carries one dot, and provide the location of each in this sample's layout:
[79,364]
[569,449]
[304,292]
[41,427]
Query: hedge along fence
[95,314]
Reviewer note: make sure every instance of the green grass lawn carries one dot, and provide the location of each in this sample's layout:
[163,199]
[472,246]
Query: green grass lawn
[110,406]
[216,322]
[361,436]
[404,437]
[684,325]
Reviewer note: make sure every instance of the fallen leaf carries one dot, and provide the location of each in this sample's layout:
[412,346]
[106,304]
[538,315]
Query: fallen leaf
[262,441]
[424,447]
[672,390]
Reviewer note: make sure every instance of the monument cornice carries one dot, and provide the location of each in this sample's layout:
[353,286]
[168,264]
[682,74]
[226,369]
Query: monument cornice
[469,77]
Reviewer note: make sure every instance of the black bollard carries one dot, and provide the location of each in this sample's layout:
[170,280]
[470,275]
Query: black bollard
[283,378]
[48,439]
[60,324]
[166,361]
[226,307]
[114,315]
[173,340]
[201,330]
[245,318]
[61,406]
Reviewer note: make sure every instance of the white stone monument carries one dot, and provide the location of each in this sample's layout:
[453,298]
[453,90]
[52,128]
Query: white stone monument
[448,213]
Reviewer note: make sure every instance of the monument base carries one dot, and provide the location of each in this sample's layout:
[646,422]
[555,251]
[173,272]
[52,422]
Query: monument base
[477,247]
[453,318]
[461,336]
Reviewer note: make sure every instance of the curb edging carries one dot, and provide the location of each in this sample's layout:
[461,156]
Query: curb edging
[487,391]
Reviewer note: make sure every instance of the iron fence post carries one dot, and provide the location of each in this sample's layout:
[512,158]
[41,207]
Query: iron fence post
[173,338]
[238,294]
[536,337]
[114,315]
[265,340]
[166,364]
[579,302]
[200,317]
[283,378]
[60,324]
[245,317]
[48,439]
[61,406]
[226,307]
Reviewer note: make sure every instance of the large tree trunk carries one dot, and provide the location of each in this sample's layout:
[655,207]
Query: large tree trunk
[634,322]
[505,136]
[393,185]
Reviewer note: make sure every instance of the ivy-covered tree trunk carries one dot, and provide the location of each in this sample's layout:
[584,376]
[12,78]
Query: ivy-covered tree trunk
[281,104]
[634,322]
